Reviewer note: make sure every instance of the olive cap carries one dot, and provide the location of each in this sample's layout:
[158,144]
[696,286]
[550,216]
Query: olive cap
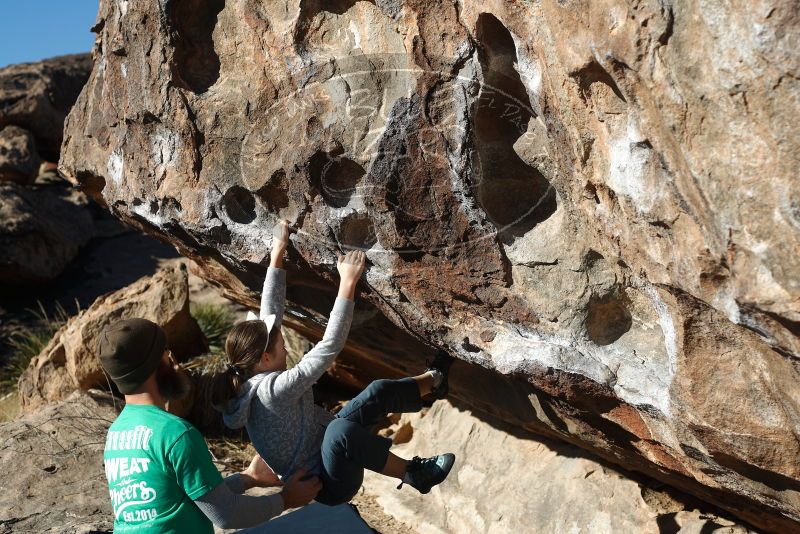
[130,350]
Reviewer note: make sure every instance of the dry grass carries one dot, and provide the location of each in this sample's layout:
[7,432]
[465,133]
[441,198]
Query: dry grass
[28,342]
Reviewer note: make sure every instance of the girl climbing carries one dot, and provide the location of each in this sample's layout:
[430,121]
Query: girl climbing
[276,405]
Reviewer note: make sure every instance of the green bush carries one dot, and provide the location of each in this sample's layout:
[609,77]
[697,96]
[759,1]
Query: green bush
[215,321]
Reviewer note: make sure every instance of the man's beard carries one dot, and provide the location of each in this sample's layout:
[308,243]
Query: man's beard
[172,384]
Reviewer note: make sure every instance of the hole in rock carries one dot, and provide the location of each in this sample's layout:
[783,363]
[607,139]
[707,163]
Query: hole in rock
[172,204]
[313,128]
[275,193]
[309,9]
[591,192]
[468,346]
[793,207]
[592,257]
[92,184]
[514,195]
[195,62]
[335,176]
[239,205]
[356,232]
[593,74]
[219,234]
[608,319]
[409,254]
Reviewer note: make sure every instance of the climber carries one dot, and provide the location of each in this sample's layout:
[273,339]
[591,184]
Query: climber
[160,473]
[276,405]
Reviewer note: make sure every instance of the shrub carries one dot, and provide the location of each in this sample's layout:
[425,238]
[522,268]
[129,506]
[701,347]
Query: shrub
[215,321]
[28,342]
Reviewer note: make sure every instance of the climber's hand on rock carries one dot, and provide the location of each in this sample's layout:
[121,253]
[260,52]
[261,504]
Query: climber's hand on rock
[350,267]
[280,241]
[280,234]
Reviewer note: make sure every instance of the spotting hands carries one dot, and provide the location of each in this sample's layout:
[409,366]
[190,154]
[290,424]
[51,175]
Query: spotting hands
[350,267]
[300,489]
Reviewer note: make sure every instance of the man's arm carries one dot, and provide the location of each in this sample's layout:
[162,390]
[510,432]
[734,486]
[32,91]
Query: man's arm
[273,295]
[196,474]
[227,509]
[302,376]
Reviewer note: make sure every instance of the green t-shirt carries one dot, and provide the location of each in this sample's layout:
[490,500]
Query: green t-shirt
[156,465]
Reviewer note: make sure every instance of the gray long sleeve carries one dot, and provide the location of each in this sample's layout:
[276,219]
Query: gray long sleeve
[299,379]
[273,295]
[235,483]
[227,508]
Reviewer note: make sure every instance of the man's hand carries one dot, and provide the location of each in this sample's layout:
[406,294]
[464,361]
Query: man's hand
[280,241]
[258,474]
[298,492]
[350,267]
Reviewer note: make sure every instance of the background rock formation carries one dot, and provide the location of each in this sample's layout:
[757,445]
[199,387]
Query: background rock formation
[593,203]
[38,96]
[70,362]
[42,228]
[19,161]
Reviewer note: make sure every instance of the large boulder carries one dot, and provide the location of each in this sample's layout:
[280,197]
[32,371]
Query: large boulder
[594,204]
[42,228]
[69,361]
[51,468]
[528,484]
[37,96]
[19,161]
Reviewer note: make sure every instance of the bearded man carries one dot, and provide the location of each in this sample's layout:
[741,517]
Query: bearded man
[160,474]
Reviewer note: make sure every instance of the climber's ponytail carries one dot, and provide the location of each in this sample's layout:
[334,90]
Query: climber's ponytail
[244,346]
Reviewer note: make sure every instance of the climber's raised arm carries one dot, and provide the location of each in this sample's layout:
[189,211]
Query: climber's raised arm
[274,294]
[295,381]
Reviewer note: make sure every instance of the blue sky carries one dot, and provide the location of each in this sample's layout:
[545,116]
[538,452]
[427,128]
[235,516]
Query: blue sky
[31,30]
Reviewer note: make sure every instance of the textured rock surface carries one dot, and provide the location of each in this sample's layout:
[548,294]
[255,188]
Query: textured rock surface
[51,463]
[38,96]
[42,228]
[19,161]
[594,201]
[69,360]
[527,485]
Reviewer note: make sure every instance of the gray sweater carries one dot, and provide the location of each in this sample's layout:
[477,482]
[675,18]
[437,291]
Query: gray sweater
[277,408]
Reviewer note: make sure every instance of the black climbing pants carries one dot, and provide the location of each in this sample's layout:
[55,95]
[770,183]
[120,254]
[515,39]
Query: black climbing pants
[349,446]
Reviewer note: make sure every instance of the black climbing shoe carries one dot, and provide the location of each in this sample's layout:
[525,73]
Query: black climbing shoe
[441,362]
[425,473]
